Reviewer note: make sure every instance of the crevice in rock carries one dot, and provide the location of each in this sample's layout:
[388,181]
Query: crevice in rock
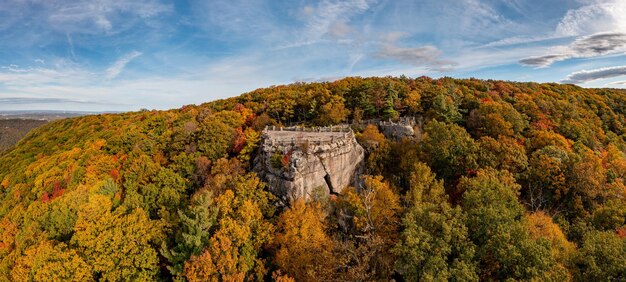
[331,189]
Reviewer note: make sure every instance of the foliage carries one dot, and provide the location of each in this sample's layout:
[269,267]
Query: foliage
[12,130]
[435,243]
[46,262]
[449,151]
[304,251]
[232,252]
[196,224]
[541,226]
[117,244]
[376,146]
[333,112]
[371,216]
[602,256]
[503,180]
[504,247]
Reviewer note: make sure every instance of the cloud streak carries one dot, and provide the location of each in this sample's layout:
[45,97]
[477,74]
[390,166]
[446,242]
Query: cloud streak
[28,101]
[329,18]
[114,70]
[584,47]
[428,56]
[585,76]
[108,16]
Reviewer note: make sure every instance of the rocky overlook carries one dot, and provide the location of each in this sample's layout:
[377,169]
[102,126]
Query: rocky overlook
[403,127]
[297,161]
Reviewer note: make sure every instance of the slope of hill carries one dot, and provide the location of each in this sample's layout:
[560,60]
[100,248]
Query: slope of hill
[12,130]
[507,180]
[14,125]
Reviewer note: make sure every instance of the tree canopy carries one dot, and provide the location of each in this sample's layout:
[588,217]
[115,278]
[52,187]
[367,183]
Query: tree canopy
[502,181]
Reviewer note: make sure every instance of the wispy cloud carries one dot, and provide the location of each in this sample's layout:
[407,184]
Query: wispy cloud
[585,76]
[598,16]
[329,17]
[339,30]
[109,16]
[521,40]
[29,101]
[70,43]
[428,56]
[584,47]
[114,70]
[14,77]
[543,61]
[69,87]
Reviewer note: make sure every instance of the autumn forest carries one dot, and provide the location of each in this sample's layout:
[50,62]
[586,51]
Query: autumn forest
[506,181]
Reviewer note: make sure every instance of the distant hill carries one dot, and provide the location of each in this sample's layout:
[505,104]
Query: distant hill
[12,130]
[43,114]
[14,125]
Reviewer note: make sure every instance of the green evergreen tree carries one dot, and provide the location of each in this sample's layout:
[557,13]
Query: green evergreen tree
[388,110]
[196,224]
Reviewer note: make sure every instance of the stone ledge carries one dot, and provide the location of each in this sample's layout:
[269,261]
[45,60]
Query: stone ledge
[328,158]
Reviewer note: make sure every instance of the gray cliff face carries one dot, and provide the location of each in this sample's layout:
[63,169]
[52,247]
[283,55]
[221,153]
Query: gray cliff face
[321,159]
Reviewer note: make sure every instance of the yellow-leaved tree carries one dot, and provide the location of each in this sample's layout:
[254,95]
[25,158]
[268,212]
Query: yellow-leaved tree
[48,261]
[119,244]
[304,251]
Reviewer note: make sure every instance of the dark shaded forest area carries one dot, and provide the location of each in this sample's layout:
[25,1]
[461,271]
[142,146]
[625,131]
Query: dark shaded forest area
[520,181]
[12,130]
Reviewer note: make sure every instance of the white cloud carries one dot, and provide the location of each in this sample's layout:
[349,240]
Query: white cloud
[231,20]
[108,16]
[520,40]
[339,29]
[329,17]
[598,28]
[50,100]
[599,16]
[66,86]
[308,11]
[15,77]
[393,36]
[595,45]
[544,61]
[585,76]
[114,70]
[239,36]
[427,55]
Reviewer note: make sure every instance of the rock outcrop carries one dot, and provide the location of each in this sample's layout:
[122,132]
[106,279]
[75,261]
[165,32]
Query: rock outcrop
[298,162]
[403,128]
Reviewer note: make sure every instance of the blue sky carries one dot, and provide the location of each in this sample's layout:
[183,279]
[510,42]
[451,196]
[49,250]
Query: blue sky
[118,55]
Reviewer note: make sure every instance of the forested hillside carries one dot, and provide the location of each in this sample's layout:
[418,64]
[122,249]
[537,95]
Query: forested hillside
[506,181]
[12,130]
